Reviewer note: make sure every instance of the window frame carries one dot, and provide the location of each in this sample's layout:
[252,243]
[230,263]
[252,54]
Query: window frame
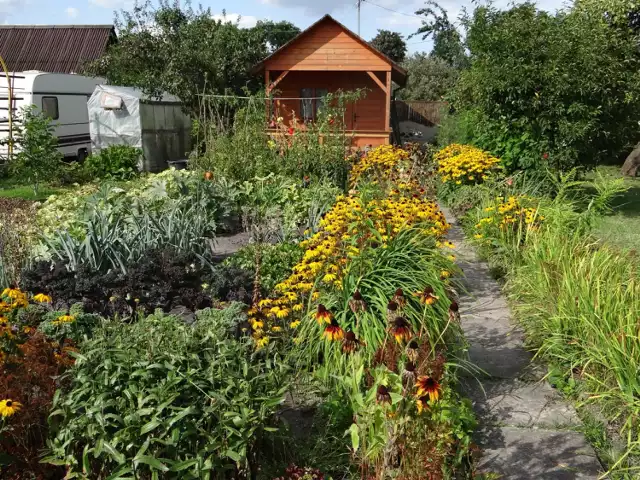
[57,107]
[313,99]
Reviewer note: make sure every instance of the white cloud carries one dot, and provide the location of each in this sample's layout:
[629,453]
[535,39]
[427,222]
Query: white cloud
[8,7]
[72,12]
[109,3]
[312,6]
[246,21]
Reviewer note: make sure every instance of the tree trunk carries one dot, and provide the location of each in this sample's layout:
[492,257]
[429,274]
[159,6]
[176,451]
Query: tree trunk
[632,163]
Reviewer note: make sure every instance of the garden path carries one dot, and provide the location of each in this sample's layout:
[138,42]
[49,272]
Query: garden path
[526,430]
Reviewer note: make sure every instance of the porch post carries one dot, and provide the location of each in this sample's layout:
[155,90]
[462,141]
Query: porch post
[387,113]
[267,91]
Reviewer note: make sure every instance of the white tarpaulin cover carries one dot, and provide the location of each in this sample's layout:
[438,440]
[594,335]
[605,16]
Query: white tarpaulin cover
[125,116]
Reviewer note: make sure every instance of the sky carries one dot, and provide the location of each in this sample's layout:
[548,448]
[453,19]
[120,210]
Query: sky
[392,15]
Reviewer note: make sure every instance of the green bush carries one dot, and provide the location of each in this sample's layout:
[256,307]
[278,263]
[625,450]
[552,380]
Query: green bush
[117,161]
[36,157]
[559,89]
[276,262]
[160,399]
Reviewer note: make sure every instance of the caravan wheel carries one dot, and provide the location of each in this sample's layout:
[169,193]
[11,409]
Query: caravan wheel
[82,155]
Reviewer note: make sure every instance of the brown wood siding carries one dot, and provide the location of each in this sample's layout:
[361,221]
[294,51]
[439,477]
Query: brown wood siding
[367,114]
[327,47]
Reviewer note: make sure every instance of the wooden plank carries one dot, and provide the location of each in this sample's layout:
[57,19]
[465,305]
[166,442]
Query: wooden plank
[387,105]
[276,81]
[267,73]
[346,67]
[375,78]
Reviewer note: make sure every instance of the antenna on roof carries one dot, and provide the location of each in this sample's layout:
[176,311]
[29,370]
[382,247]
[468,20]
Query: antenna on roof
[359,3]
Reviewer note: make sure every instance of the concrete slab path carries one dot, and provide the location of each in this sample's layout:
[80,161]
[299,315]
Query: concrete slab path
[526,430]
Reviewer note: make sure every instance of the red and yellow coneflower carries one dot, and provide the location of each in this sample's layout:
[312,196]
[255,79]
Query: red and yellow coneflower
[357,303]
[400,329]
[427,386]
[333,331]
[399,298]
[383,395]
[426,296]
[323,315]
[350,343]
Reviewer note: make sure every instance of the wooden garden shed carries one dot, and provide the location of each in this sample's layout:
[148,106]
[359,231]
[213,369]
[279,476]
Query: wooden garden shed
[327,57]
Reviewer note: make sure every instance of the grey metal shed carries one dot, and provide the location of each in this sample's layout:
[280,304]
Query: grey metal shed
[125,116]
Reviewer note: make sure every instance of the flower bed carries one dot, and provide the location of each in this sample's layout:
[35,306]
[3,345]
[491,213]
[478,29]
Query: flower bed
[371,298]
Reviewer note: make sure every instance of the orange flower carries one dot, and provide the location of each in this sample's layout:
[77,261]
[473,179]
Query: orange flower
[427,386]
[333,331]
[426,296]
[323,315]
[400,329]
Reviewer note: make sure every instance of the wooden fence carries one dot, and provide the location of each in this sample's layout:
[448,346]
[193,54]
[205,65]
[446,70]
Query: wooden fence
[424,113]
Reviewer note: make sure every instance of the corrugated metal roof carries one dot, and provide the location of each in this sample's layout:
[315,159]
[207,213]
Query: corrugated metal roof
[53,48]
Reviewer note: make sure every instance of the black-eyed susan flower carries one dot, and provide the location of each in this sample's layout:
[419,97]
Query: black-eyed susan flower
[454,312]
[422,403]
[294,324]
[333,331]
[428,386]
[409,374]
[350,343]
[399,298]
[42,298]
[323,315]
[400,329]
[392,311]
[9,407]
[383,395]
[413,350]
[11,292]
[426,296]
[357,303]
[62,319]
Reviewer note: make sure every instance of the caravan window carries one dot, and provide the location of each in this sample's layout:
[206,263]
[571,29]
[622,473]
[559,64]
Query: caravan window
[50,107]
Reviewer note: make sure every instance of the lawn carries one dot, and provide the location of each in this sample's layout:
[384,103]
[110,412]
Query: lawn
[10,189]
[622,227]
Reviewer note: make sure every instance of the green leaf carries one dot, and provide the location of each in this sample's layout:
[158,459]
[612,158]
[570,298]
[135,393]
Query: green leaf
[147,427]
[233,455]
[355,436]
[152,462]
[178,467]
[116,455]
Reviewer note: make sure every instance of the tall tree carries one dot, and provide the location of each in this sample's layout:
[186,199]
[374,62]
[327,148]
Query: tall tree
[276,34]
[186,51]
[430,78]
[561,86]
[391,44]
[447,41]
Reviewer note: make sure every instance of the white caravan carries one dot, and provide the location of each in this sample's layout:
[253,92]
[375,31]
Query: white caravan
[63,97]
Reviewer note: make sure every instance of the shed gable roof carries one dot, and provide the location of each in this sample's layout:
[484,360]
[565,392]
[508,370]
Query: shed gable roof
[53,48]
[399,74]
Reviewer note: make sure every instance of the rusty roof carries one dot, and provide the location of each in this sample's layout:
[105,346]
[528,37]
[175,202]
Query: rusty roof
[53,48]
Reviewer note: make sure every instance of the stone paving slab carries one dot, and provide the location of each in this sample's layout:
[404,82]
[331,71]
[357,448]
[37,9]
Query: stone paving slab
[520,404]
[526,454]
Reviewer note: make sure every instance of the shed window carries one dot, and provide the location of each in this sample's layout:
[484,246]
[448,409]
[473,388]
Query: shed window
[311,102]
[50,107]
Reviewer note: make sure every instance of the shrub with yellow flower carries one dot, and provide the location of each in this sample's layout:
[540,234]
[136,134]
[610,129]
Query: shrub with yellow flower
[465,165]
[353,226]
[516,213]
